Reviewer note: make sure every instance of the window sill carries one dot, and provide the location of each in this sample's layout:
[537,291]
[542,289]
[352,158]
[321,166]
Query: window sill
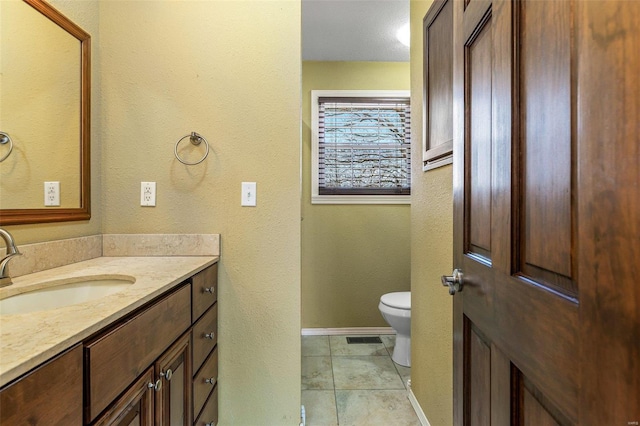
[361,199]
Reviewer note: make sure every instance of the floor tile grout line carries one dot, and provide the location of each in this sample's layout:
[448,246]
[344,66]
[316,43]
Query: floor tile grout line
[333,377]
[373,389]
[398,371]
[394,364]
[360,355]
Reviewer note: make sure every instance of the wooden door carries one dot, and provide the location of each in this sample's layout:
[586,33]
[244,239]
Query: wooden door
[546,204]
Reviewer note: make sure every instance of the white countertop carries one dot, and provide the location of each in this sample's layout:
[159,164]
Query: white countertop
[29,339]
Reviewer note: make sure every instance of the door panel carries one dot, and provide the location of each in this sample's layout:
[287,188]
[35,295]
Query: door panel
[478,58]
[478,377]
[546,250]
[545,142]
[537,330]
[533,407]
[533,412]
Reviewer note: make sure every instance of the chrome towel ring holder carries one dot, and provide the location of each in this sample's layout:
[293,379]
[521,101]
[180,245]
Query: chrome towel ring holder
[196,140]
[6,139]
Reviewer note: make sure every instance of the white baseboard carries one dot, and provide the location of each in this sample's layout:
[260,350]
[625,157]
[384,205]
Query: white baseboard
[345,331]
[416,407]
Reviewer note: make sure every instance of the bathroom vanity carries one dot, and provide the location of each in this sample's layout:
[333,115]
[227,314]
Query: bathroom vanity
[146,355]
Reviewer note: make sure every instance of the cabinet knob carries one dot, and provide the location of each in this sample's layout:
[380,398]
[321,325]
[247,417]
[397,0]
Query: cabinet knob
[211,381]
[209,290]
[167,374]
[155,386]
[211,335]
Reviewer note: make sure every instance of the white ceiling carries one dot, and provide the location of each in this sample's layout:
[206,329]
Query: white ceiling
[353,30]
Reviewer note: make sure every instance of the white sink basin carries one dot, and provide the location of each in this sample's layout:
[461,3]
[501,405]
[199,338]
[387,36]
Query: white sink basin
[61,293]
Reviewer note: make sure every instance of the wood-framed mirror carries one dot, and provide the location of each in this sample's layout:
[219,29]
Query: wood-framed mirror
[45,109]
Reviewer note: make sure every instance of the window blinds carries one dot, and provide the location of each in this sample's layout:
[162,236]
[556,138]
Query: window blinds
[364,146]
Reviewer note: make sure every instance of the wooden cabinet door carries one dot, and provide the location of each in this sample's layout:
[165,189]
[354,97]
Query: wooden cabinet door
[438,81]
[135,407]
[546,202]
[173,398]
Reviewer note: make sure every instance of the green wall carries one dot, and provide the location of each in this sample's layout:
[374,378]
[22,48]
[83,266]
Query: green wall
[230,70]
[431,257]
[351,254]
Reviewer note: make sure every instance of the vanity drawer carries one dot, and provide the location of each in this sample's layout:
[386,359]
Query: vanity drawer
[202,338]
[201,387]
[204,290]
[51,394]
[116,358]
[209,415]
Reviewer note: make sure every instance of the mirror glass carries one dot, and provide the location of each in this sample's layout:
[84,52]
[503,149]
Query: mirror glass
[44,109]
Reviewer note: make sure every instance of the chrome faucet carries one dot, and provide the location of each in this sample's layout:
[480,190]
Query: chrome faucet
[12,251]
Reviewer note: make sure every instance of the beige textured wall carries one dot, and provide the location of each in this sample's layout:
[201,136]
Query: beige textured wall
[351,254]
[431,257]
[86,15]
[229,70]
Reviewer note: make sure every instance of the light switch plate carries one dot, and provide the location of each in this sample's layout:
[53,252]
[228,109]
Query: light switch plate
[248,198]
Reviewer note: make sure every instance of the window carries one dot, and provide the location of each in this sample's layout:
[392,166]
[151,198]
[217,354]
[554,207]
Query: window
[361,147]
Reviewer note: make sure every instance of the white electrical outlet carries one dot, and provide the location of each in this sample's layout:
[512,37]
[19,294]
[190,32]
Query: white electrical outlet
[52,193]
[248,197]
[148,194]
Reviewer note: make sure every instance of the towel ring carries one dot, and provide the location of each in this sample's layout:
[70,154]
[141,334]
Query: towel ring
[4,139]
[195,139]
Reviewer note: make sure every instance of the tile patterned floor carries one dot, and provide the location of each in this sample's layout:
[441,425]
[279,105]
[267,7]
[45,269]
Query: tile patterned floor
[354,384]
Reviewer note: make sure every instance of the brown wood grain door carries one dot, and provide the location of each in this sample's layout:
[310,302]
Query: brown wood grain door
[546,204]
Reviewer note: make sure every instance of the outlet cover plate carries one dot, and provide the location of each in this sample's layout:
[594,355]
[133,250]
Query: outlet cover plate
[51,194]
[148,194]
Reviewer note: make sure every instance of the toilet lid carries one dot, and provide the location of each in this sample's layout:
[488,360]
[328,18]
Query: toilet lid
[400,299]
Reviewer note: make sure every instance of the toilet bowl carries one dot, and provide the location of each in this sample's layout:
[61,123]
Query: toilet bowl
[396,310]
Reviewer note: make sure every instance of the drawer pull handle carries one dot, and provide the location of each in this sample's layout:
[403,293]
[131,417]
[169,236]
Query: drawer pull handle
[211,381]
[210,290]
[211,335]
[155,386]
[167,375]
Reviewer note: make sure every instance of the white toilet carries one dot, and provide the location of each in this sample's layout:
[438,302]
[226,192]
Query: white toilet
[396,310]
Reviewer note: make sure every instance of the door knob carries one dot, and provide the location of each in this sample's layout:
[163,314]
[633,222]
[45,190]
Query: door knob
[454,282]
